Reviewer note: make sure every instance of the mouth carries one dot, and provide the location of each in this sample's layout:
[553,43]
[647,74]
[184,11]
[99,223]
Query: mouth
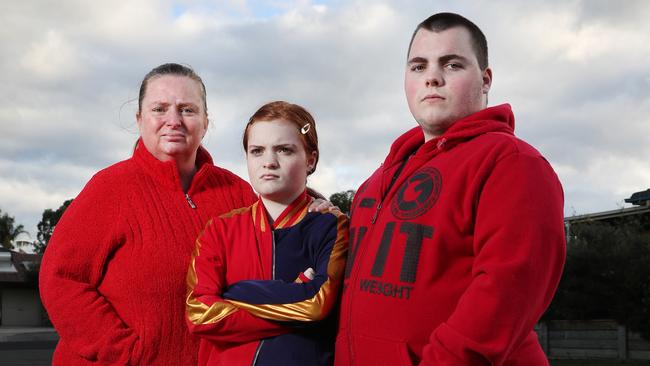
[174,136]
[268,177]
[432,98]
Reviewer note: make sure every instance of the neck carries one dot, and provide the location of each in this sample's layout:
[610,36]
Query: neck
[274,207]
[186,170]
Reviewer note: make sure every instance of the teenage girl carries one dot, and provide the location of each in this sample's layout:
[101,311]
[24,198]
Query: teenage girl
[264,279]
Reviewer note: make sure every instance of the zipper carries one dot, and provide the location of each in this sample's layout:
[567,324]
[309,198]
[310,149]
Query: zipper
[273,255]
[259,346]
[355,274]
[374,217]
[390,185]
[257,352]
[189,201]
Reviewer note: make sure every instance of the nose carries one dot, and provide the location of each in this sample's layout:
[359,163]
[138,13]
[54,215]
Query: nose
[433,78]
[270,161]
[174,118]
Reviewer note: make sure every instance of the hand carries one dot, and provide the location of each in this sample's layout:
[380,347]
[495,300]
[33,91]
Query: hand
[306,276]
[309,273]
[322,205]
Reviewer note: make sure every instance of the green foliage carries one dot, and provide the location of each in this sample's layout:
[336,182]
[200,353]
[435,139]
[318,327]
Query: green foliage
[8,231]
[343,200]
[47,224]
[607,275]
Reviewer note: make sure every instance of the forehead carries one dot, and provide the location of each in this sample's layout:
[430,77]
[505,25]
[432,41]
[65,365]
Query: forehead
[452,41]
[176,86]
[273,132]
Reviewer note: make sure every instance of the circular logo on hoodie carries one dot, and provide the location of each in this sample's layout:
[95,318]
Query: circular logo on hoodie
[417,194]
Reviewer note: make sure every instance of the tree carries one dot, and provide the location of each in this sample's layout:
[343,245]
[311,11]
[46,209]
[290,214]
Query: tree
[606,275]
[343,200]
[47,224]
[9,232]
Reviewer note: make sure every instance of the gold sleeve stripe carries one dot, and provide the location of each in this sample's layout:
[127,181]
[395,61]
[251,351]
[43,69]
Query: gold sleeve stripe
[312,309]
[258,215]
[197,312]
[317,307]
[234,212]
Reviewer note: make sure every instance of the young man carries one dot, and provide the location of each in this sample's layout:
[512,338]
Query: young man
[457,240]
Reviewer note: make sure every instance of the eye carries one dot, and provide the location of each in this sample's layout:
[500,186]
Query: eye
[417,67]
[453,66]
[188,110]
[255,151]
[285,150]
[158,109]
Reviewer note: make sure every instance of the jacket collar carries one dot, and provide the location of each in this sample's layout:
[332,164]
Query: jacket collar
[291,215]
[166,172]
[493,119]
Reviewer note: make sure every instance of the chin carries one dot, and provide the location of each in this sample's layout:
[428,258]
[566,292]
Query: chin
[177,151]
[277,196]
[436,124]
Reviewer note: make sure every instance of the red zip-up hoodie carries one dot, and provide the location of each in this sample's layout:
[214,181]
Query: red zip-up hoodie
[456,249]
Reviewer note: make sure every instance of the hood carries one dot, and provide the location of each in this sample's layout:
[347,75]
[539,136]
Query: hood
[493,119]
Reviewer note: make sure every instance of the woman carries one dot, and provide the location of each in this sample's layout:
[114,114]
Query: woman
[112,277]
[265,278]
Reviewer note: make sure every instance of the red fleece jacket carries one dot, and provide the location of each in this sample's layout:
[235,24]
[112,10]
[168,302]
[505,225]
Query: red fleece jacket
[456,249]
[113,275]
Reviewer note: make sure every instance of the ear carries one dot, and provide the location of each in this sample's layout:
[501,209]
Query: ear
[138,118]
[205,128]
[487,80]
[311,161]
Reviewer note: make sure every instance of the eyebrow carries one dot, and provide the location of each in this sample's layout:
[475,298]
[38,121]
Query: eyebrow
[168,103]
[289,145]
[188,104]
[441,59]
[273,146]
[417,60]
[447,58]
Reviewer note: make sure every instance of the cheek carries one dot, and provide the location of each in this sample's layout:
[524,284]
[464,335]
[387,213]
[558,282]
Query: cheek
[146,129]
[468,88]
[198,128]
[150,124]
[410,88]
[298,170]
[250,165]
[204,126]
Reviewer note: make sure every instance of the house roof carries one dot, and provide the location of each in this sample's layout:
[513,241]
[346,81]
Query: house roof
[15,266]
[639,198]
[597,216]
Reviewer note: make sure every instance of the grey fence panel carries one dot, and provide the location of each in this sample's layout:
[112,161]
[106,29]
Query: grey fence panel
[563,339]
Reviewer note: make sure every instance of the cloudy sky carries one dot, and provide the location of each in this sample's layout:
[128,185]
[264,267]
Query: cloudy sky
[576,73]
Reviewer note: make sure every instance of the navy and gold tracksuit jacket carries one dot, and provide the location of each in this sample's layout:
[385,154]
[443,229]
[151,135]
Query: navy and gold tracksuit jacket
[248,299]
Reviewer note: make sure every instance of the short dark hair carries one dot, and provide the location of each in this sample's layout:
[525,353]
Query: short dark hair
[171,69]
[443,21]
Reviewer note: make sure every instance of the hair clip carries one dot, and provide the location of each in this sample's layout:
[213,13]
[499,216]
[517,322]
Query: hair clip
[305,128]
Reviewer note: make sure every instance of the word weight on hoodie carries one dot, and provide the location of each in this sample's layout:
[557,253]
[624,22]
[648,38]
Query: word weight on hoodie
[408,235]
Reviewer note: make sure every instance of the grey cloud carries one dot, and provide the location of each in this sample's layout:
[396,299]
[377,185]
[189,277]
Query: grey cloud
[70,68]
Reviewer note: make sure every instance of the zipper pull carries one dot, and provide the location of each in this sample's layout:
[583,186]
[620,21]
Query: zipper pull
[189,201]
[441,143]
[374,217]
